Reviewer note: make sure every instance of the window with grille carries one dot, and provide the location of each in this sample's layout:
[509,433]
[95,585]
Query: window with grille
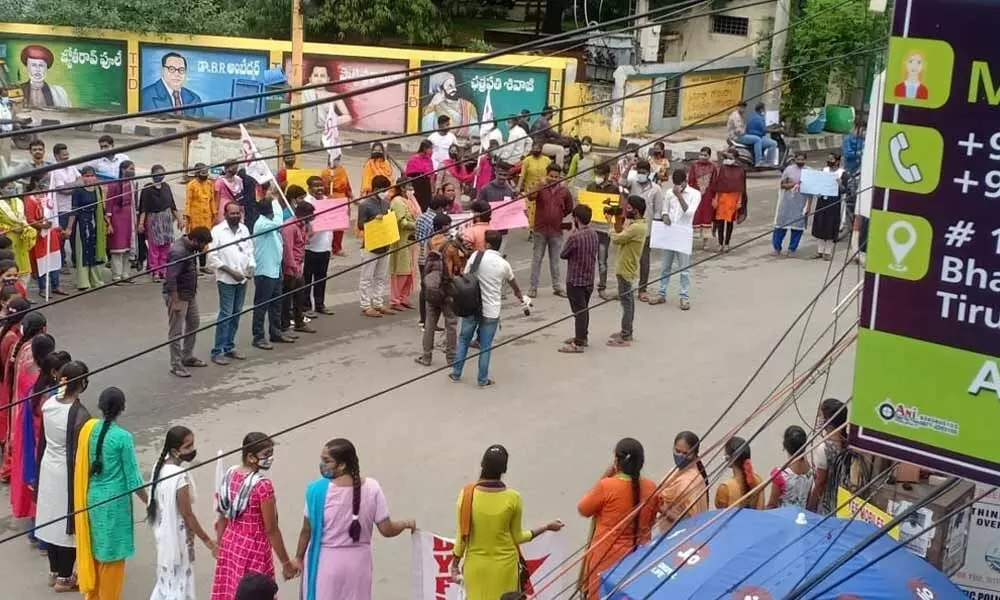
[671,96]
[730,25]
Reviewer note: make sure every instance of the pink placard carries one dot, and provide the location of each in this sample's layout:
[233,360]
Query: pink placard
[332,214]
[508,215]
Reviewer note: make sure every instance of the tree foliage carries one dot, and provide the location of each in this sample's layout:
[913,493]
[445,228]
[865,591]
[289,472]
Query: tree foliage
[833,31]
[147,16]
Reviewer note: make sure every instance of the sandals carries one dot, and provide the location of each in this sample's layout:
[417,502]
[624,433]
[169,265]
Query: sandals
[371,312]
[571,349]
[487,383]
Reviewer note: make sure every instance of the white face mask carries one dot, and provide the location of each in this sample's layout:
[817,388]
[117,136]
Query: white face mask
[728,161]
[598,180]
[383,195]
[642,177]
[585,148]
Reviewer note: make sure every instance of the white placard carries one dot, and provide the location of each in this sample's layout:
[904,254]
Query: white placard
[672,237]
[819,183]
[980,576]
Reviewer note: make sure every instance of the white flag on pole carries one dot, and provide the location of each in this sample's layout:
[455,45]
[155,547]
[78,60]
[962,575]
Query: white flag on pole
[255,167]
[487,122]
[331,133]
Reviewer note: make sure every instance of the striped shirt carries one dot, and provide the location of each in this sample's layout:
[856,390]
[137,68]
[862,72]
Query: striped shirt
[580,252]
[425,229]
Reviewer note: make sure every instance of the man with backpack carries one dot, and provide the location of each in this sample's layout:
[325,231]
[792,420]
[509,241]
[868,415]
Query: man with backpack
[444,262]
[476,296]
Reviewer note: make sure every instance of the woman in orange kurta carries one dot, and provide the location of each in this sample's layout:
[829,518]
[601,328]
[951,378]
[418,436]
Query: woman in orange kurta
[611,500]
[378,164]
[200,205]
[685,493]
[337,184]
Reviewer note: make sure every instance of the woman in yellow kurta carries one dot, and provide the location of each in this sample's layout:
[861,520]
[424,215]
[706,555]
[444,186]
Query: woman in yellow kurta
[533,173]
[14,224]
[401,258]
[489,531]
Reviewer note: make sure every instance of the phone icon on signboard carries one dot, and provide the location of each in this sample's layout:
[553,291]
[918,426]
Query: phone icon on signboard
[910,173]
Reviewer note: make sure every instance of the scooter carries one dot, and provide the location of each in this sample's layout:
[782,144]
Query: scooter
[745,157]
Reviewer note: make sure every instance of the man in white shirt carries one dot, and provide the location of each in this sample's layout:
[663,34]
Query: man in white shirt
[679,205]
[107,166]
[518,142]
[317,259]
[493,271]
[230,256]
[64,177]
[489,133]
[442,140]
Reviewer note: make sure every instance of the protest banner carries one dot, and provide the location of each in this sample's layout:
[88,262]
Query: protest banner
[508,215]
[300,176]
[676,237]
[432,557]
[819,183]
[597,202]
[332,214]
[381,232]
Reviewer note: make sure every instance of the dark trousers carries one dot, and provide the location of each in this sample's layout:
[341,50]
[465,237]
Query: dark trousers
[314,273]
[141,251]
[420,298]
[61,560]
[724,230]
[603,247]
[626,296]
[644,267]
[579,300]
[293,305]
[63,224]
[266,304]
[202,260]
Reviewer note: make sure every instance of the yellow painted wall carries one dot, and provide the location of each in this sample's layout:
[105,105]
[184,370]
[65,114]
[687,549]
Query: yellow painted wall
[707,94]
[596,119]
[276,50]
[635,110]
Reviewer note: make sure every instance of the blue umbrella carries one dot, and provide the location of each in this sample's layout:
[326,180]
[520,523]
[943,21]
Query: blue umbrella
[764,554]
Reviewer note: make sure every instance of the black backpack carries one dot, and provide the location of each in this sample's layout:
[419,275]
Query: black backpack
[436,279]
[467,300]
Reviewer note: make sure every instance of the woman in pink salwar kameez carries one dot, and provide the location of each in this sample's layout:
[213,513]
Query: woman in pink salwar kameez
[25,419]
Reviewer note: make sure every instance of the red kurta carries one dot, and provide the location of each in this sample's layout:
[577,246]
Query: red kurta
[34,210]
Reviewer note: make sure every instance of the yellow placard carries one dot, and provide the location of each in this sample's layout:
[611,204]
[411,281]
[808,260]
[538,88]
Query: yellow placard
[598,201]
[710,96]
[299,176]
[381,232]
[867,512]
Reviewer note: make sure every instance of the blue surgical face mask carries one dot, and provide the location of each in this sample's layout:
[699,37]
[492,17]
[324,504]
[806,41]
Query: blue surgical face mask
[158,178]
[326,471]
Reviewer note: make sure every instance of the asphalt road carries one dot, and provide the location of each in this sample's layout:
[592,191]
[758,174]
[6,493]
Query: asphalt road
[558,415]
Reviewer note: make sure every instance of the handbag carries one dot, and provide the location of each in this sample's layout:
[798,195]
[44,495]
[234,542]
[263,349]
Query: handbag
[465,528]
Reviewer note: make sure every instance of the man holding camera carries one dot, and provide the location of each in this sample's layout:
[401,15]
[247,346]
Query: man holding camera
[629,237]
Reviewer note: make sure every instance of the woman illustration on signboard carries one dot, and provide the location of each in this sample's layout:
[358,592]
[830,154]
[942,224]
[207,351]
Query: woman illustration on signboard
[912,86]
[37,92]
[320,74]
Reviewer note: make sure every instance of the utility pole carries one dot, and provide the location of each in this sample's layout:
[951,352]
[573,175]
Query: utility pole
[772,100]
[296,81]
[641,9]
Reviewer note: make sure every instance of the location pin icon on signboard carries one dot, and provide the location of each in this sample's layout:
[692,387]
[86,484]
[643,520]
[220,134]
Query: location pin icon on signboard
[901,237]
[899,245]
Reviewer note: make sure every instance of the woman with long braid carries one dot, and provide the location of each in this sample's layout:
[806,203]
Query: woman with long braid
[342,511]
[107,454]
[248,521]
[172,517]
[21,362]
[25,428]
[10,333]
[63,419]
[743,480]
[620,491]
[685,493]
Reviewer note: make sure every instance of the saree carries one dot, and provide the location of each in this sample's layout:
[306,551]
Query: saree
[14,224]
[7,346]
[315,503]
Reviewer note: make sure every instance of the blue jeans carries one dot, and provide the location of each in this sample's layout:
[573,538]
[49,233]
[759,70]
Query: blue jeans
[231,297]
[53,282]
[487,330]
[683,263]
[778,239]
[266,303]
[759,145]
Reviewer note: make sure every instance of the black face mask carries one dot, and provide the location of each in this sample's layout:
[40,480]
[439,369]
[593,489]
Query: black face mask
[233,221]
[188,456]
[378,154]
[202,176]
[265,209]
